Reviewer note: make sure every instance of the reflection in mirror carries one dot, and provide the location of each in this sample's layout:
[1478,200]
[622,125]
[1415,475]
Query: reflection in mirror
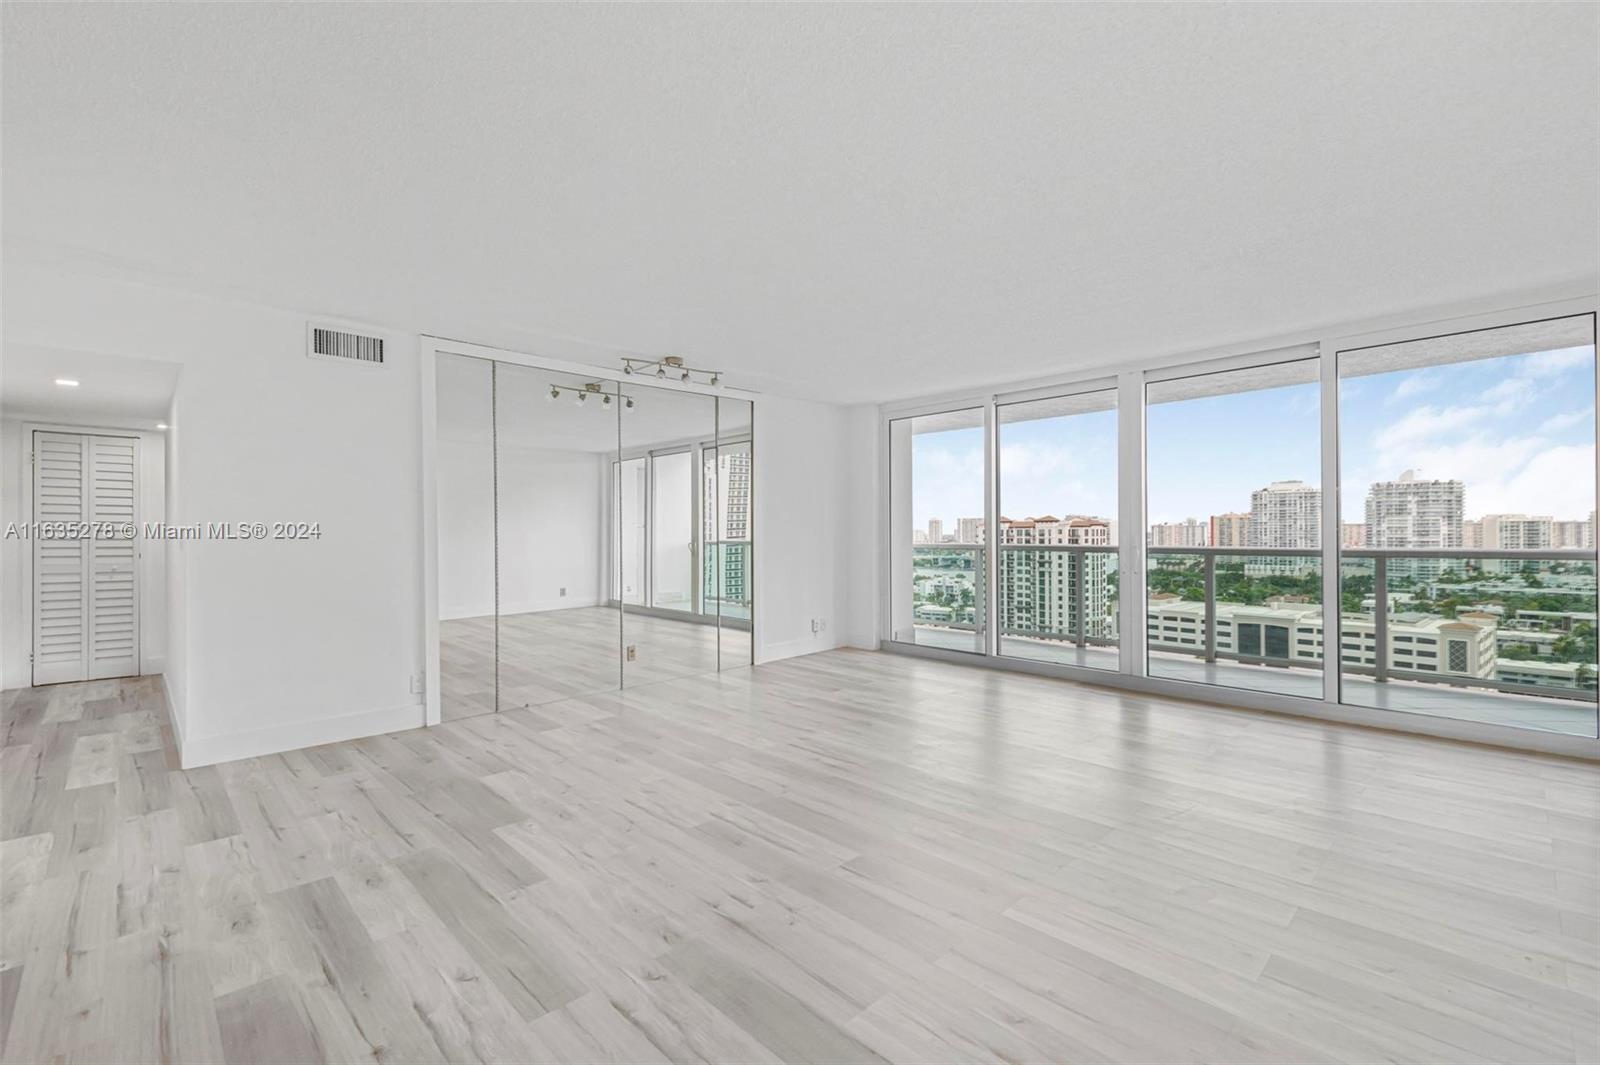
[666,629]
[556,440]
[465,405]
[729,473]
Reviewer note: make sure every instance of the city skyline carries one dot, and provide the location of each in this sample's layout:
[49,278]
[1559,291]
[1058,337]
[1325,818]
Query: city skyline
[1511,429]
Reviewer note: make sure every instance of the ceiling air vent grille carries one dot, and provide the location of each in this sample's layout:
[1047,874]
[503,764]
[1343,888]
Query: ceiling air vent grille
[337,344]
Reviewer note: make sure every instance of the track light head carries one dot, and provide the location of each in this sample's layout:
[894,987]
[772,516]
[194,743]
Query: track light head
[583,398]
[685,377]
[630,403]
[661,373]
[605,401]
[555,393]
[715,380]
[627,367]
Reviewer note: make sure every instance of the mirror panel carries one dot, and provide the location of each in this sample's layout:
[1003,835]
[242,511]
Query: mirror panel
[729,474]
[666,630]
[464,389]
[556,443]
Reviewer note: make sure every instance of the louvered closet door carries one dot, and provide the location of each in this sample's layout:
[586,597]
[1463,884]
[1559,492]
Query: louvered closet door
[113,557]
[86,593]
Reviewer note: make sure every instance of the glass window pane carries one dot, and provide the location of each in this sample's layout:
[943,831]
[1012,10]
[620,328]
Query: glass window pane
[1056,595]
[1467,573]
[936,486]
[1234,568]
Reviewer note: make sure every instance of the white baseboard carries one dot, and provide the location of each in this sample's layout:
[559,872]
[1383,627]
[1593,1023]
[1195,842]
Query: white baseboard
[209,750]
[806,645]
[174,714]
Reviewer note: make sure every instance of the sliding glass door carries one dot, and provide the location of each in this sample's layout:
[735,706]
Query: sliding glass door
[1413,508]
[1467,572]
[1234,563]
[1056,595]
[938,547]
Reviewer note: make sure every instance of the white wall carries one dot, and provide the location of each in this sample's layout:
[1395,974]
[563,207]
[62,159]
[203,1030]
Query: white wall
[16,623]
[278,645]
[860,550]
[551,531]
[801,463]
[286,643]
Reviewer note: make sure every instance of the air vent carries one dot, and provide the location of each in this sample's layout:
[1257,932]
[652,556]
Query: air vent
[325,343]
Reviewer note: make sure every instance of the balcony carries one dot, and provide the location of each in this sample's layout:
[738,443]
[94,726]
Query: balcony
[728,560]
[1435,632]
[1058,604]
[948,582]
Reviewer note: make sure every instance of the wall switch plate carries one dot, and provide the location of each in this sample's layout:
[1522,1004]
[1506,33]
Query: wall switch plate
[633,652]
[417,684]
[563,593]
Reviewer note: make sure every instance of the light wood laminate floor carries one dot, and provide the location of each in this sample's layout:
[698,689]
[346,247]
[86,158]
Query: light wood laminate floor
[551,655]
[844,857]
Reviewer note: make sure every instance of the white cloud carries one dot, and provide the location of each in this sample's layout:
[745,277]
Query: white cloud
[1427,424]
[1554,363]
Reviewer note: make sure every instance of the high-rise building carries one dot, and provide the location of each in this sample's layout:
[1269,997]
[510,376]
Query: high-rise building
[935,531]
[1572,534]
[969,530]
[728,525]
[1286,514]
[1352,534]
[1230,530]
[1516,532]
[1190,532]
[1410,512]
[1513,532]
[1039,589]
[1471,533]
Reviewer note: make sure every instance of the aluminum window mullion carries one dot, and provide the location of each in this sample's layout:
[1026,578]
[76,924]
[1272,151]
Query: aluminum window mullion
[1332,606]
[1131,523]
[991,524]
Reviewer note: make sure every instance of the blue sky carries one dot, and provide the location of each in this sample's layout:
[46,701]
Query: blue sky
[1518,430]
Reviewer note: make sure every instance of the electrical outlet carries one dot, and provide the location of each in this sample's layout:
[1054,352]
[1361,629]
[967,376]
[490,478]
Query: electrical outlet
[814,628]
[418,684]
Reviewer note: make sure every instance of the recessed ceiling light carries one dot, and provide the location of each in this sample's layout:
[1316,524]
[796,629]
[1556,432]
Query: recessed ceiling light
[161,425]
[66,382]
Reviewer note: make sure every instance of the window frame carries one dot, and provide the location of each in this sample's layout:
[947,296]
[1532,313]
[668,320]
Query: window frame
[1130,380]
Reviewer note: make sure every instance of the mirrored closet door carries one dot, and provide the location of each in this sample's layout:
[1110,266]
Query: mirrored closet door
[729,567]
[666,631]
[593,534]
[464,459]
[556,439]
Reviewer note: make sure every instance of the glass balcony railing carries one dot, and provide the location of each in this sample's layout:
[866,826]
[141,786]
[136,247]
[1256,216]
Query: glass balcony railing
[948,586]
[1500,636]
[1058,603]
[1238,617]
[725,577]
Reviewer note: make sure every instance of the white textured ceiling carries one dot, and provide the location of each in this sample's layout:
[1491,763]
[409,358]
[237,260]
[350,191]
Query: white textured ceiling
[856,201]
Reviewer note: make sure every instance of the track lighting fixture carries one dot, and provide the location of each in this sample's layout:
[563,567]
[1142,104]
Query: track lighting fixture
[675,363]
[589,388]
